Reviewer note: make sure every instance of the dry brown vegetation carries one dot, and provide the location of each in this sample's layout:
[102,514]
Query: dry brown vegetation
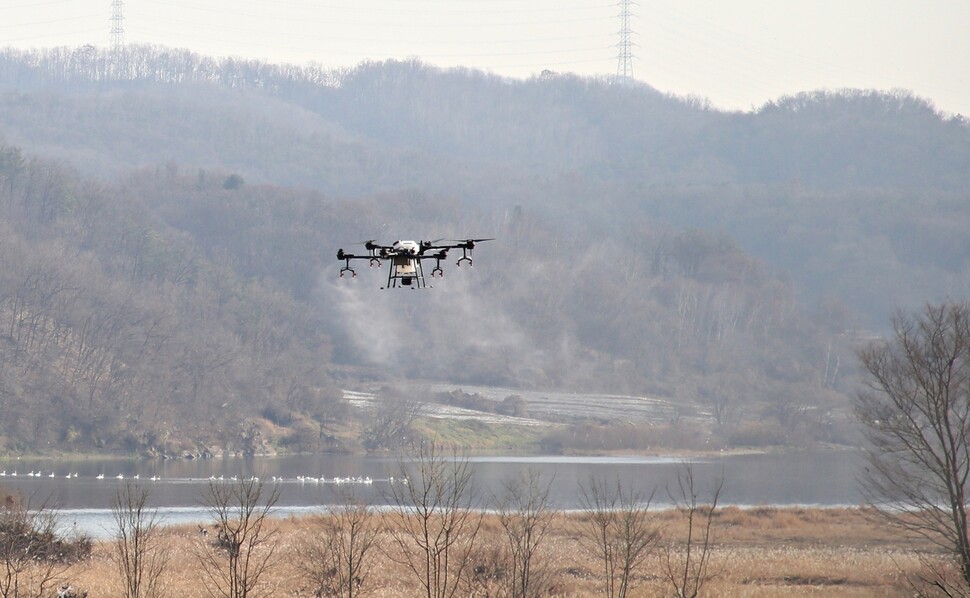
[758,552]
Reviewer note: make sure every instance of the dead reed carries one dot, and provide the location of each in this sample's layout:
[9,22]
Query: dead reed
[758,552]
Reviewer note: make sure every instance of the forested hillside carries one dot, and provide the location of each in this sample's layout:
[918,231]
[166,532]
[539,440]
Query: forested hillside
[170,224]
[859,196]
[118,332]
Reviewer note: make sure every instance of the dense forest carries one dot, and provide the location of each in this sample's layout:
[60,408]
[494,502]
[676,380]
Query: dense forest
[170,224]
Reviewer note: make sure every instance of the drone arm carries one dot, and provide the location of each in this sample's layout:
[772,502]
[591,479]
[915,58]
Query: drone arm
[466,246]
[346,257]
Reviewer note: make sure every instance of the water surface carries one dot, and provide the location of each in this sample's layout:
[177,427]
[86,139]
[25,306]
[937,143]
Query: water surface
[309,483]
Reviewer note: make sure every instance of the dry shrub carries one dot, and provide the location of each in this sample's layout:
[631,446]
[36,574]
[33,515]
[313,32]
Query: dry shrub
[489,571]
[823,571]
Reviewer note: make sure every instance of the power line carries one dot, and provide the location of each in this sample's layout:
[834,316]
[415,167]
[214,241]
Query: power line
[33,5]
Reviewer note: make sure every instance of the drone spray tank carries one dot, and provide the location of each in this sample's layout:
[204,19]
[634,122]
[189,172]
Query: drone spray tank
[405,265]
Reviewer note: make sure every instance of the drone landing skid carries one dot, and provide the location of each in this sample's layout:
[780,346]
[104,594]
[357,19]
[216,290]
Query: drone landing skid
[465,258]
[346,269]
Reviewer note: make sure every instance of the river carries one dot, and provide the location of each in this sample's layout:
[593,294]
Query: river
[82,490]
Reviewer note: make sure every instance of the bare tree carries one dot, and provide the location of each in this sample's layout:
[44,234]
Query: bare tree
[140,553]
[525,516]
[916,415]
[246,543]
[336,553]
[32,555]
[617,530]
[687,567]
[436,514]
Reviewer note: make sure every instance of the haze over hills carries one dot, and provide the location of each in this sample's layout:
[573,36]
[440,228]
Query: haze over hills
[171,224]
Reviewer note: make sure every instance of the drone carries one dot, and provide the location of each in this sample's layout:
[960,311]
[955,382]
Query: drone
[406,258]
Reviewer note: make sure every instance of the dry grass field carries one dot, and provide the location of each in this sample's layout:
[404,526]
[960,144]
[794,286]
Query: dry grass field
[757,553]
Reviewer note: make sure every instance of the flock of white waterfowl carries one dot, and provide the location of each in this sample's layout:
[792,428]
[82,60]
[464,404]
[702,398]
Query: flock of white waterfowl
[37,474]
[221,478]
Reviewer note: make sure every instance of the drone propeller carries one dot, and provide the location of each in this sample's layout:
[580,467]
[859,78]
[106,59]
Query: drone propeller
[369,244]
[466,245]
[426,245]
[470,243]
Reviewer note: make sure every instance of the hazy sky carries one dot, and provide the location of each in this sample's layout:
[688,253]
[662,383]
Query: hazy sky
[737,54]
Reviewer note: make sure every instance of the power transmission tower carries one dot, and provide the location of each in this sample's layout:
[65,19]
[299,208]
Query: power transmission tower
[624,59]
[117,26]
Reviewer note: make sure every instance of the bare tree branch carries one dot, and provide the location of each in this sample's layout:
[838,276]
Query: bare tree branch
[245,547]
[525,516]
[618,531]
[140,554]
[688,569]
[435,514]
[916,415]
[336,554]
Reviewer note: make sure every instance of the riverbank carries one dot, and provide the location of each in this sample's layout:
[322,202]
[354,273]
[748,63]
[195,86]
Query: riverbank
[523,445]
[757,552]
